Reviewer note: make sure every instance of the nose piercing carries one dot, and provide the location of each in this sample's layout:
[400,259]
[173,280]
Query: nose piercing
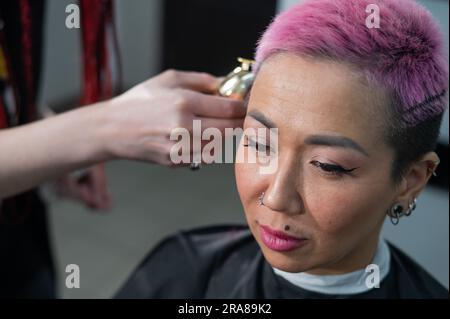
[260,199]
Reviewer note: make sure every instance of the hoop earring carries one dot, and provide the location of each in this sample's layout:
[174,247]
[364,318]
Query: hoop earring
[411,207]
[395,213]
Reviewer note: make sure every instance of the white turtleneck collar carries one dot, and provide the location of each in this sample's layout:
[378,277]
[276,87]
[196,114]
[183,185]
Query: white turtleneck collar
[350,283]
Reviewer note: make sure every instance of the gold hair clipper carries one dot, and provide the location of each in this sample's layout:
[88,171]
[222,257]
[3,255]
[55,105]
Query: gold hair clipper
[237,84]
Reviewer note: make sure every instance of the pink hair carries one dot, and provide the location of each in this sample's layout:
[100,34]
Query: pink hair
[405,54]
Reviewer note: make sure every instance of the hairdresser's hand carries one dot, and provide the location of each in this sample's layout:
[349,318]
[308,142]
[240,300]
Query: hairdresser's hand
[143,117]
[135,125]
[88,187]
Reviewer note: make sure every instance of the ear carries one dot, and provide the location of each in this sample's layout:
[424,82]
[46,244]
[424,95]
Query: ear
[416,177]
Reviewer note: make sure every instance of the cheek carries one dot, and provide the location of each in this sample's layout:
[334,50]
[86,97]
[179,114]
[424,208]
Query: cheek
[250,184]
[345,209]
[246,181]
[330,213]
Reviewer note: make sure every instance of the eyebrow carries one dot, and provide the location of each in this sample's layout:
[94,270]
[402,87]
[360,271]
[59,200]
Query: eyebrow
[335,140]
[327,140]
[257,115]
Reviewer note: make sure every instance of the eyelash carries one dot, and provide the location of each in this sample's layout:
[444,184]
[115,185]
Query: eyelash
[331,169]
[254,144]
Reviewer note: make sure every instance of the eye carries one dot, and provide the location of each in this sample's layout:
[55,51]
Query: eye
[259,147]
[332,169]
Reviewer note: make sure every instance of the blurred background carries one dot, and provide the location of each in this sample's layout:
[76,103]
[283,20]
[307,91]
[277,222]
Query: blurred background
[151,202]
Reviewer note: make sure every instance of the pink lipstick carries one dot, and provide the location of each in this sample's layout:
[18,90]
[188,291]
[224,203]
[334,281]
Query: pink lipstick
[278,240]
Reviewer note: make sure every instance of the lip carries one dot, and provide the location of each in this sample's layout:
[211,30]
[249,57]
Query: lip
[278,240]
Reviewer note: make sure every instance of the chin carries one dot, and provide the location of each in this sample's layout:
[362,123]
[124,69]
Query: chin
[284,262]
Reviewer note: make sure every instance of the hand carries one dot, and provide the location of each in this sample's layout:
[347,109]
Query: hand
[89,188]
[142,118]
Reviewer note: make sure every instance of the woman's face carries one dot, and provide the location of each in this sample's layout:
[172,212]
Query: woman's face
[332,184]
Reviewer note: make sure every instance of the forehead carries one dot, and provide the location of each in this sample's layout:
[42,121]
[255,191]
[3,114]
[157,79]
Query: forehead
[305,95]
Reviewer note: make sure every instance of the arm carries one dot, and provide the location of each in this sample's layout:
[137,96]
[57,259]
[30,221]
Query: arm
[34,153]
[136,125]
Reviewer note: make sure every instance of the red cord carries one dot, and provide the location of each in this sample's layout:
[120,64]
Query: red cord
[96,16]
[3,121]
[17,216]
[27,56]
[106,76]
[10,82]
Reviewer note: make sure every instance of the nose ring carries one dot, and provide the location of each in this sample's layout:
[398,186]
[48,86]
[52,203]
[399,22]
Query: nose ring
[260,199]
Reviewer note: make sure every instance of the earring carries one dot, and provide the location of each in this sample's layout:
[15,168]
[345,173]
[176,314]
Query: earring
[260,199]
[411,207]
[395,213]
[433,170]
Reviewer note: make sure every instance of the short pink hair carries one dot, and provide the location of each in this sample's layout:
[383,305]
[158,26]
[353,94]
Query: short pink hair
[406,54]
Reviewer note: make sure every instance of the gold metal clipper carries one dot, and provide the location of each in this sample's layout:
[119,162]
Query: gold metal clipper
[237,84]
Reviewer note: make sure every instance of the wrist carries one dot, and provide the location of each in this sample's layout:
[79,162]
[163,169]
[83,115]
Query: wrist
[109,130]
[100,132]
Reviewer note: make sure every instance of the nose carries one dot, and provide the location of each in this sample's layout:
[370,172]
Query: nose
[282,194]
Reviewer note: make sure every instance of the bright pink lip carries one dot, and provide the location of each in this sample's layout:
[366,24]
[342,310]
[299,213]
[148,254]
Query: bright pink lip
[278,240]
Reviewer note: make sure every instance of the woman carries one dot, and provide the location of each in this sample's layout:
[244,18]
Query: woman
[358,112]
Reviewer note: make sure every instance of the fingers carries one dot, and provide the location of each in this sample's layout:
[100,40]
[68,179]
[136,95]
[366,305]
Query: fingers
[83,194]
[90,189]
[196,81]
[99,187]
[203,105]
[73,189]
[222,124]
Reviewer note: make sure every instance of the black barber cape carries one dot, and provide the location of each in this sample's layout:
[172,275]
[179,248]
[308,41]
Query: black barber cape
[226,262]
